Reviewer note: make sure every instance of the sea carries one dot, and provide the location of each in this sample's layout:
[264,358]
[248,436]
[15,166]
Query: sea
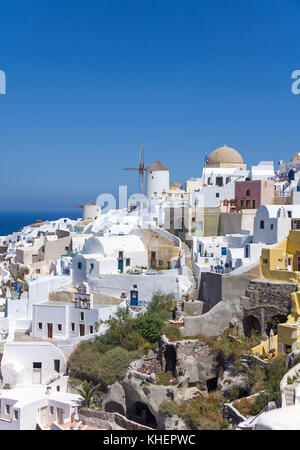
[11,221]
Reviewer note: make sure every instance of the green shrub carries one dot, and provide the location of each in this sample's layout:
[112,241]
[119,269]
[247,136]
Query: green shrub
[87,363]
[162,304]
[204,413]
[234,393]
[169,409]
[114,364]
[150,326]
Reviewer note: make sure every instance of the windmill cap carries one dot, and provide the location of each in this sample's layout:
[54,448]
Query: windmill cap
[157,166]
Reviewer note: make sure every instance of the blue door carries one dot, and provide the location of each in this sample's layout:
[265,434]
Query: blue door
[133,298]
[120,265]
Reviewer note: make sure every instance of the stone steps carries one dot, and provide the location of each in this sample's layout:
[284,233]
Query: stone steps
[289,394]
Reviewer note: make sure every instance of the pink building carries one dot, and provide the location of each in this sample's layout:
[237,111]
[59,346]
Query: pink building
[253,194]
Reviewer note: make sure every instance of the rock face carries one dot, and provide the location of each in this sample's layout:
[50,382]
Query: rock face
[114,400]
[137,395]
[191,359]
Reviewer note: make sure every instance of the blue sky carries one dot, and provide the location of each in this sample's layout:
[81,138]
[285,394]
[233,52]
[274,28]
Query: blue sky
[88,80]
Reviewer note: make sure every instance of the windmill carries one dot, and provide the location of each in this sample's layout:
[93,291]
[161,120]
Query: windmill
[141,169]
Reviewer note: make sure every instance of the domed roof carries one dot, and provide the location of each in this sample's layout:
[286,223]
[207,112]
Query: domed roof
[225,155]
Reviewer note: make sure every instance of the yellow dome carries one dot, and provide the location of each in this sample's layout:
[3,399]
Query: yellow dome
[225,155]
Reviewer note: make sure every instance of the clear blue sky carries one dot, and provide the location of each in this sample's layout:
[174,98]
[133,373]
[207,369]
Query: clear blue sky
[87,80]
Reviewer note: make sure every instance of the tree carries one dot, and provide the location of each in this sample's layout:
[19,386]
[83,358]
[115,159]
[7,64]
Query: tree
[87,392]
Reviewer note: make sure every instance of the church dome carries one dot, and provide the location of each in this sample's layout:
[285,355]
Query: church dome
[225,155]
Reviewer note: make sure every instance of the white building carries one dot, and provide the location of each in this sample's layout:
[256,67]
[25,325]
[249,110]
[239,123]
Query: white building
[36,407]
[70,321]
[272,223]
[30,363]
[109,254]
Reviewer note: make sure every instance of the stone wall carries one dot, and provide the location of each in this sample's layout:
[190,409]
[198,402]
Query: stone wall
[101,419]
[191,358]
[266,300]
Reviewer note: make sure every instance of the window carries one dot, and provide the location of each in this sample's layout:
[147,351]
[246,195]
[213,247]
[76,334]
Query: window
[91,329]
[262,224]
[289,214]
[59,327]
[37,365]
[73,326]
[227,180]
[217,194]
[265,261]
[134,286]
[219,181]
[248,193]
[66,249]
[120,255]
[242,203]
[40,325]
[253,204]
[7,409]
[79,265]
[56,365]
[92,266]
[81,316]
[58,388]
[160,263]
[16,414]
[38,270]
[51,410]
[271,226]
[127,261]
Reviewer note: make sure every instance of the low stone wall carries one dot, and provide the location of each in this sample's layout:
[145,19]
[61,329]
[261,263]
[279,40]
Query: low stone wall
[231,414]
[101,419]
[148,364]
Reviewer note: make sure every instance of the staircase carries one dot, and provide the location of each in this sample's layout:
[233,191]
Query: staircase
[193,291]
[289,393]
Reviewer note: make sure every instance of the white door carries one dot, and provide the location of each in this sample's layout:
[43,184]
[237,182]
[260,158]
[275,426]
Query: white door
[37,376]
[59,415]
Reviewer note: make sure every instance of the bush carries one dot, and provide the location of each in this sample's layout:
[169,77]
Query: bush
[169,409]
[88,363]
[274,373]
[234,393]
[256,376]
[114,364]
[150,327]
[204,413]
[172,332]
[122,331]
[244,406]
[162,304]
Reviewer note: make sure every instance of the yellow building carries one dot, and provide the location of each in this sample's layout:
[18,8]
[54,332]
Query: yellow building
[282,264]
